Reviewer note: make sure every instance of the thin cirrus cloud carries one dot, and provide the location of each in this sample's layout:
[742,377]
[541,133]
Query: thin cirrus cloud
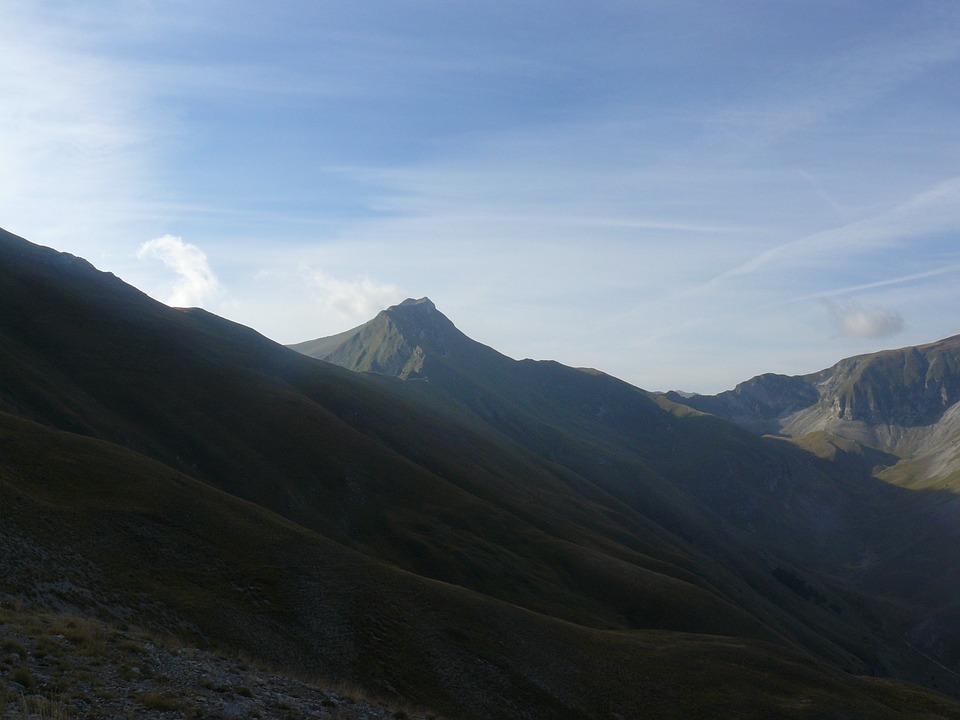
[195,282]
[72,137]
[932,211]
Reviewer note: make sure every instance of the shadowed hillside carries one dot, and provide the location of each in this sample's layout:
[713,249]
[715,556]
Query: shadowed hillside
[831,522]
[895,415]
[484,538]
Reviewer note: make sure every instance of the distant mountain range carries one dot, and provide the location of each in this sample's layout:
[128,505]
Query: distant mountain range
[902,402]
[416,513]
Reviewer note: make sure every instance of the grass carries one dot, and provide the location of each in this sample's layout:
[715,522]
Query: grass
[162,702]
[12,646]
[44,708]
[83,632]
[78,688]
[22,675]
[483,557]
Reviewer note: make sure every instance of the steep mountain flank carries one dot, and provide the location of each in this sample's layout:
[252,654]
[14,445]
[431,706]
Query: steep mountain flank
[648,452]
[392,343]
[894,414]
[481,537]
[908,387]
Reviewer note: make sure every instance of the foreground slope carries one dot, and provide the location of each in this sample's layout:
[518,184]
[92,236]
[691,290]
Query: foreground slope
[171,467]
[93,529]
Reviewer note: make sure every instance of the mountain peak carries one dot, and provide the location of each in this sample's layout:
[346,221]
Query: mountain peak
[425,302]
[396,342]
[420,323]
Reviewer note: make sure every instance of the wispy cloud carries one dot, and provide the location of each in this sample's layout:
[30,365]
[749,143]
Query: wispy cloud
[72,144]
[855,320]
[195,282]
[796,99]
[325,302]
[354,300]
[935,209]
[948,269]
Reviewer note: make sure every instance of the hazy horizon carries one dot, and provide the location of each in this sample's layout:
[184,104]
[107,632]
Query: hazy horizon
[682,195]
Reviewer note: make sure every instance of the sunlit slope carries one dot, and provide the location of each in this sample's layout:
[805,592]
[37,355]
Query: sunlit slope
[898,401]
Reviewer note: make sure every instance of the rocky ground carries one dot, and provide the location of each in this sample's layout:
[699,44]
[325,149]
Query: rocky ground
[57,666]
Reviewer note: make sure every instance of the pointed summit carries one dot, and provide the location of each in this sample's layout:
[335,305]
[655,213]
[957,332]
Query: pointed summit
[535,398]
[424,303]
[403,340]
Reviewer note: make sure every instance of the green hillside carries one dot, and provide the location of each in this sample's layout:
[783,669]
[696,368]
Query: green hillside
[814,527]
[480,537]
[103,531]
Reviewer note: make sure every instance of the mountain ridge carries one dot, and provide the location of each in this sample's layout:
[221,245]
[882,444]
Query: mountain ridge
[895,401]
[489,537]
[799,515]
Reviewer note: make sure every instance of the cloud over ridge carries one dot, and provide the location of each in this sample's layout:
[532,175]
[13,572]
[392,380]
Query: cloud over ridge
[196,282]
[354,300]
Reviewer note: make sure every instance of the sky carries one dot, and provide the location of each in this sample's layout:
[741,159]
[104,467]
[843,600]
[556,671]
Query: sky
[683,194]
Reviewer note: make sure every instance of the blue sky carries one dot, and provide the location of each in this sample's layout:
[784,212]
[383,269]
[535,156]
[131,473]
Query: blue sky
[683,194]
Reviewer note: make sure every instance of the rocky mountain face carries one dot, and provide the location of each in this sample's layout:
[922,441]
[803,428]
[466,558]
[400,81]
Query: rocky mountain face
[883,398]
[907,387]
[757,404]
[401,333]
[896,412]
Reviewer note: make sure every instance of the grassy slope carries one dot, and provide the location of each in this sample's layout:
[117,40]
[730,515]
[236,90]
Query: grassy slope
[407,481]
[515,510]
[891,415]
[122,532]
[782,519]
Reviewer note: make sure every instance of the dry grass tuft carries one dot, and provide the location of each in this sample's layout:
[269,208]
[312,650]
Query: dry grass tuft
[160,702]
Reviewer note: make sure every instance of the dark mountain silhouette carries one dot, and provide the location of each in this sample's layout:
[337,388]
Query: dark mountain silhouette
[480,536]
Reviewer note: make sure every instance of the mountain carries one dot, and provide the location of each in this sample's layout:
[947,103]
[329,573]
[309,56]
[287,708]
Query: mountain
[737,498]
[457,530]
[900,402]
[896,413]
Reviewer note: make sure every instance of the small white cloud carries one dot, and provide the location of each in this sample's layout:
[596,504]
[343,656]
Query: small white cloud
[196,282]
[352,300]
[854,320]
